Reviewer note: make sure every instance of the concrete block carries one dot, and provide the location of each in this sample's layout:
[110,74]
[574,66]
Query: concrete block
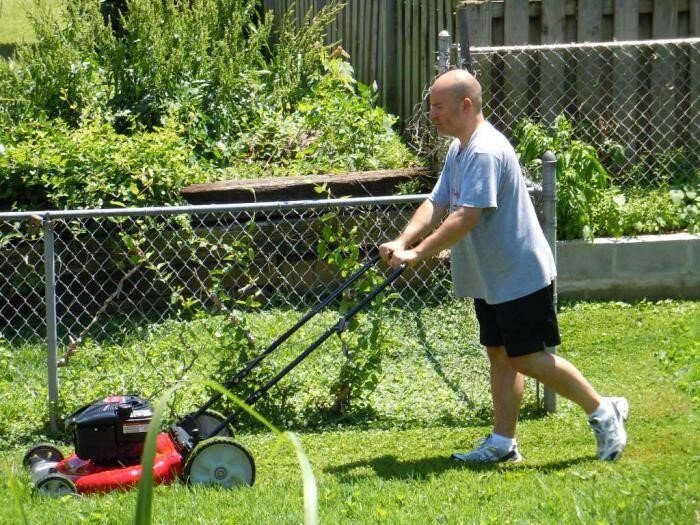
[578,260]
[652,267]
[651,257]
[694,256]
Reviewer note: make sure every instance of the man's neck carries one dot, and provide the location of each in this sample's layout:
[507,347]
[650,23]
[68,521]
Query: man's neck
[465,137]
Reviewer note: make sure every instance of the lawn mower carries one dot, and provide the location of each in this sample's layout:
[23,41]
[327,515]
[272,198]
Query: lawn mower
[109,434]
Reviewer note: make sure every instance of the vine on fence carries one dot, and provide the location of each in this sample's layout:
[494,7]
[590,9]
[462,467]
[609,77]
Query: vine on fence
[361,371]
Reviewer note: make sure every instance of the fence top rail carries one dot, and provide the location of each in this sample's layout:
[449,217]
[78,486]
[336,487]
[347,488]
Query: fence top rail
[584,45]
[210,208]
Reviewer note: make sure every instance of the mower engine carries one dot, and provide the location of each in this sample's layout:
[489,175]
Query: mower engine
[111,431]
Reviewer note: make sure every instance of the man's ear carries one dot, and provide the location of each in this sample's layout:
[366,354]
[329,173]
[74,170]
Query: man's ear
[467,104]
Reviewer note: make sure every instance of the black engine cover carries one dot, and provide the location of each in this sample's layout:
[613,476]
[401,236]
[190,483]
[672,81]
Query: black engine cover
[111,430]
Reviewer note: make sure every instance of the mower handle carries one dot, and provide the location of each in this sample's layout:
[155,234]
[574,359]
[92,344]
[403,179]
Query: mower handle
[231,383]
[338,328]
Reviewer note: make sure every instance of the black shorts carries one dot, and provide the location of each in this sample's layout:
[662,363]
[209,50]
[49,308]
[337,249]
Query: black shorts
[524,325]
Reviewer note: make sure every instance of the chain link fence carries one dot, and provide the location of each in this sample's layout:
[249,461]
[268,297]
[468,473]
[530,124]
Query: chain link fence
[116,270]
[67,277]
[635,102]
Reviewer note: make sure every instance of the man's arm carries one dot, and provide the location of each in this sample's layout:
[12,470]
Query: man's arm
[424,220]
[454,227]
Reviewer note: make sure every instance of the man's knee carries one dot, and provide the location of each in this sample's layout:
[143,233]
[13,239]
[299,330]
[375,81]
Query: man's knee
[532,365]
[497,356]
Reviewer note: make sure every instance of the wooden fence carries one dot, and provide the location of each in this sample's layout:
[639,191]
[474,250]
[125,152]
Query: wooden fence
[393,42]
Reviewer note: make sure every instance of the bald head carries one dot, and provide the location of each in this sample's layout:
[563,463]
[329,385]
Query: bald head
[458,84]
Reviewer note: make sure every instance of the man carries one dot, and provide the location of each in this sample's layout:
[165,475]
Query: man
[500,257]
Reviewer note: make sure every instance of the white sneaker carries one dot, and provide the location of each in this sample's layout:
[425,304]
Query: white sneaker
[610,434]
[486,452]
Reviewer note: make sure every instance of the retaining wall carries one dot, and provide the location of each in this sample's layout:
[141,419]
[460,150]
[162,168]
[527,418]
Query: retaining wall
[648,266]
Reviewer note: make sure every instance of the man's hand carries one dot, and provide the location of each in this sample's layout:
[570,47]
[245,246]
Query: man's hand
[410,257]
[387,250]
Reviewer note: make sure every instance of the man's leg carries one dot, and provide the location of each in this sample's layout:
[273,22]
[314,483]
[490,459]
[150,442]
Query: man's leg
[506,391]
[606,416]
[560,375]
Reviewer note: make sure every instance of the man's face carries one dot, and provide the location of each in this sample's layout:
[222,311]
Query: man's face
[446,111]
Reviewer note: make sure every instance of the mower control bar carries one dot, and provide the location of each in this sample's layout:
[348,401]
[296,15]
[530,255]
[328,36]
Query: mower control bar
[235,380]
[338,328]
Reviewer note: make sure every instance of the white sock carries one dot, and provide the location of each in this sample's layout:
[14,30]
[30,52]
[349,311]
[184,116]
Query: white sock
[604,410]
[502,442]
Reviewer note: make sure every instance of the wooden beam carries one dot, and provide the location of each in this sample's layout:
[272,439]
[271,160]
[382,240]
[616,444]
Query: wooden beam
[370,183]
[626,20]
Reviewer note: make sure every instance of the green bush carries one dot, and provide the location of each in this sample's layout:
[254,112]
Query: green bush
[49,165]
[590,204]
[90,114]
[581,178]
[642,211]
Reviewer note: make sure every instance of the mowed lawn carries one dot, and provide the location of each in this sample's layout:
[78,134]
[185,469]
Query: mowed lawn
[15,22]
[647,352]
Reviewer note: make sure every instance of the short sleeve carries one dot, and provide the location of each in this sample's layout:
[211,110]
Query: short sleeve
[440,196]
[479,187]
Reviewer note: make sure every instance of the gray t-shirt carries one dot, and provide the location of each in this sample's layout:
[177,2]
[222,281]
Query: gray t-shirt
[506,255]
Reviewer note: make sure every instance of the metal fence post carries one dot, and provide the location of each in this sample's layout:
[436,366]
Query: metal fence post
[549,197]
[444,44]
[51,333]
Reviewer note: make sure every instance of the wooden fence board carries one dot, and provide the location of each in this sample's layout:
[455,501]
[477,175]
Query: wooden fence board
[665,66]
[394,41]
[694,102]
[626,20]
[415,94]
[588,65]
[625,75]
[479,17]
[515,67]
[552,67]
[590,21]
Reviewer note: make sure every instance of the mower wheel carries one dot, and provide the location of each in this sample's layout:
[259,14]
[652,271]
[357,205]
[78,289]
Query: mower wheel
[219,461]
[208,421]
[55,485]
[42,452]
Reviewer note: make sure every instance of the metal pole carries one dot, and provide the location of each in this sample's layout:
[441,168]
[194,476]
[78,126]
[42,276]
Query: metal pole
[51,338]
[549,197]
[444,44]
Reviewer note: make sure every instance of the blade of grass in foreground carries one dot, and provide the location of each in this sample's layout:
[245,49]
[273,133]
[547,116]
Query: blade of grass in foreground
[14,487]
[144,502]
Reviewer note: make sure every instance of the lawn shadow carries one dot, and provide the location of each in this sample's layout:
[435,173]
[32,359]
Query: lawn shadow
[7,49]
[530,410]
[391,468]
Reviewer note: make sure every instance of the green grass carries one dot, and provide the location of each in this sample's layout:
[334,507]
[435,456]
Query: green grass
[389,472]
[15,24]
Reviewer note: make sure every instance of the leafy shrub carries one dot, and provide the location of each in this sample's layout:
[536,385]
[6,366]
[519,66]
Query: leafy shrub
[639,210]
[581,178]
[234,93]
[589,203]
[49,165]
